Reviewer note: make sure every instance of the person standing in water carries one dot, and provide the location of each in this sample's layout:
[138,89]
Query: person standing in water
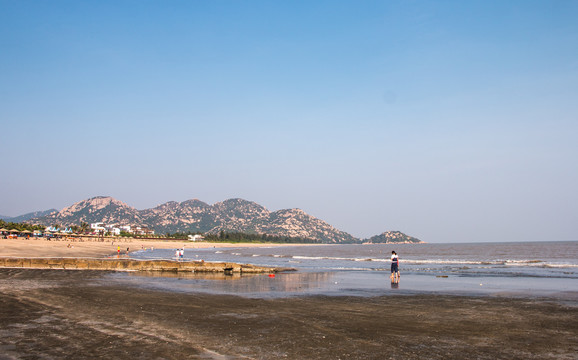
[394,268]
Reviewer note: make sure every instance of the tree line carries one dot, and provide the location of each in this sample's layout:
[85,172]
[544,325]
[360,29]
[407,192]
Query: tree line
[20,226]
[82,228]
[241,237]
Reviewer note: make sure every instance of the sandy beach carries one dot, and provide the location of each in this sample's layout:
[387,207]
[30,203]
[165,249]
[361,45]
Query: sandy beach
[71,314]
[93,247]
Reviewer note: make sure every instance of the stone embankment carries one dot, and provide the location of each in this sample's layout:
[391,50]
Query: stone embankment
[135,265]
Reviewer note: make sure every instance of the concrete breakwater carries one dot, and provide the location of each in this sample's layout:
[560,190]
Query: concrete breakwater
[135,265]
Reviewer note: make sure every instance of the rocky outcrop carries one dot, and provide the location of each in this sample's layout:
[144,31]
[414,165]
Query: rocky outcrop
[96,209]
[135,265]
[297,223]
[173,216]
[395,237]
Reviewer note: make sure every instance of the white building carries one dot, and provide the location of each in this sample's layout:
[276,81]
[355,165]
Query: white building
[196,237]
[113,229]
[98,227]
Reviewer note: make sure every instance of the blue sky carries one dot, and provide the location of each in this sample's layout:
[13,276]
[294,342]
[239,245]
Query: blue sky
[452,121]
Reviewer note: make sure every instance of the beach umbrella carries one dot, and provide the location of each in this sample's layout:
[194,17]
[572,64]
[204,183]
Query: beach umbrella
[3,230]
[26,232]
[14,230]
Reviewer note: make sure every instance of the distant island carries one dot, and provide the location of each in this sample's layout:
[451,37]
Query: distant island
[392,237]
[232,216]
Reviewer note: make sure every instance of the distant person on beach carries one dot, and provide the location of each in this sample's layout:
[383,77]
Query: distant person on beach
[394,268]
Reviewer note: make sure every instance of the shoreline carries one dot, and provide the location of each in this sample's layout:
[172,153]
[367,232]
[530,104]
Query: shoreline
[95,248]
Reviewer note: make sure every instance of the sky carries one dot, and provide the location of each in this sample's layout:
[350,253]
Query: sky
[451,121]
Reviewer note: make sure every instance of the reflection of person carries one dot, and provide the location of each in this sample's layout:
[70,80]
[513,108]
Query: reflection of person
[394,268]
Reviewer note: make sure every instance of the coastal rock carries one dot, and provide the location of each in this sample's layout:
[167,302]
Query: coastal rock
[395,237]
[135,265]
[296,222]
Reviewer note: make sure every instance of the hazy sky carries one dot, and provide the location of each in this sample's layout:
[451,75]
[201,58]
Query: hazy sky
[452,121]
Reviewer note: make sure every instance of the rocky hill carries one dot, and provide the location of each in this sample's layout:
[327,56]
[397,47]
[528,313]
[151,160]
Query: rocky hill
[26,217]
[97,209]
[191,215]
[392,237]
[233,215]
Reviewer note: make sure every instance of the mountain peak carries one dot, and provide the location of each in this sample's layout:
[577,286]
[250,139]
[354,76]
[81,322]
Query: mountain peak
[96,203]
[195,203]
[95,209]
[237,202]
[239,205]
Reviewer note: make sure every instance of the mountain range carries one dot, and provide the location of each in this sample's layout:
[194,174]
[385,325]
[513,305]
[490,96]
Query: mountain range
[26,217]
[232,215]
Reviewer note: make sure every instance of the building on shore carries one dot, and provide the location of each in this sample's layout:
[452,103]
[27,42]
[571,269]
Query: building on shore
[114,229]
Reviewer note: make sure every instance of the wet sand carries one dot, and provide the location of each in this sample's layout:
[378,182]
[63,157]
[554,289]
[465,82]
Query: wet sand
[53,314]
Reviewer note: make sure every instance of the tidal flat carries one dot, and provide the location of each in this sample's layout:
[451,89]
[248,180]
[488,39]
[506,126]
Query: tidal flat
[55,314]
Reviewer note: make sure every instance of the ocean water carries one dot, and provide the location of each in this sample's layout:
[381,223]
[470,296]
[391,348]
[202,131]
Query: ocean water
[527,269]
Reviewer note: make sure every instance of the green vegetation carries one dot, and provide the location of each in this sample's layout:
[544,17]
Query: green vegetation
[239,237]
[25,226]
[144,236]
[20,226]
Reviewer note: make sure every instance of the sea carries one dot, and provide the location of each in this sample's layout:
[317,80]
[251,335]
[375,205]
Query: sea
[528,269]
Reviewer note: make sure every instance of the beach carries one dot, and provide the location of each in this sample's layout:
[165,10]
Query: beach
[94,247]
[54,314]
